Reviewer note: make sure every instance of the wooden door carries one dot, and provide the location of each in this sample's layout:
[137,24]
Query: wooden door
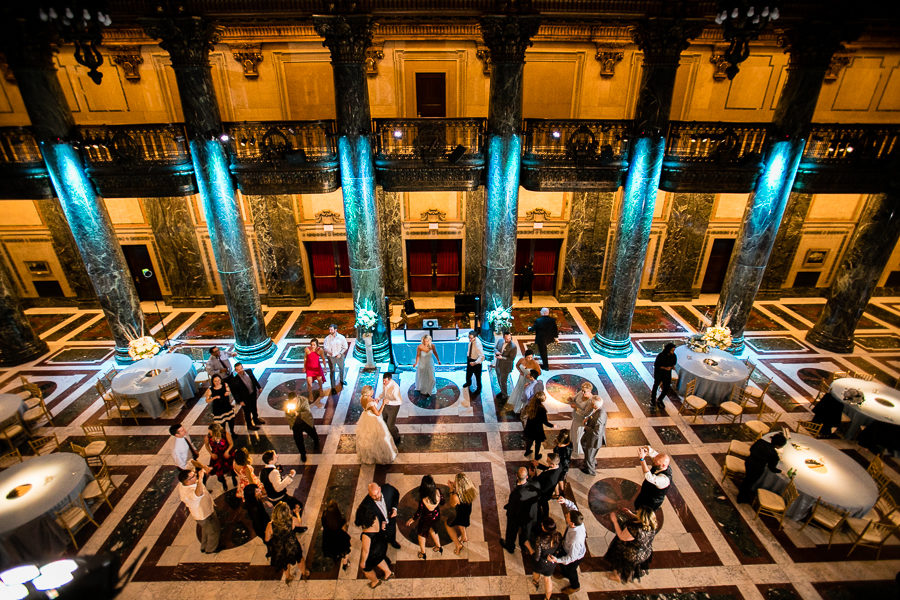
[717,266]
[433,265]
[142,273]
[431,94]
[329,265]
[545,254]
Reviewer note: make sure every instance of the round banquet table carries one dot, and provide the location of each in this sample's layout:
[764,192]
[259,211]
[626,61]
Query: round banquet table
[714,383]
[882,403]
[10,406]
[28,529]
[134,380]
[842,482]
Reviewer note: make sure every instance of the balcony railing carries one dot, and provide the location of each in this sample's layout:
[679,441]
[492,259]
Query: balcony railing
[696,141]
[18,146]
[158,144]
[429,139]
[295,142]
[576,139]
[836,144]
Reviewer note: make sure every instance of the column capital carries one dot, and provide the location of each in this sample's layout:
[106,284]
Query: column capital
[812,45]
[662,40]
[188,39]
[508,36]
[347,37]
[28,46]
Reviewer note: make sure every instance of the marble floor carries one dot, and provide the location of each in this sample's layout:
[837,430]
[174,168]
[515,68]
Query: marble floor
[709,546]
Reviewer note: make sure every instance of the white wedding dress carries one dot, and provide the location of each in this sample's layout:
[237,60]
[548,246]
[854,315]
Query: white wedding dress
[374,444]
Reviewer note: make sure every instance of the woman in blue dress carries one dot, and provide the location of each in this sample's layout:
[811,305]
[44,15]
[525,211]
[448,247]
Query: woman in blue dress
[425,382]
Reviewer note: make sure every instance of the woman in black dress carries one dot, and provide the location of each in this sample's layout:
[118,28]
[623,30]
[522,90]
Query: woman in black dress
[335,539]
[219,395]
[373,553]
[545,546]
[285,551]
[563,450]
[462,494]
[535,415]
[630,552]
[428,514]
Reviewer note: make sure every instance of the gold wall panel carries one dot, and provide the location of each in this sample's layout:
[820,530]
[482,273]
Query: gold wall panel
[451,62]
[890,98]
[857,84]
[552,85]
[835,207]
[21,213]
[729,207]
[312,204]
[125,211]
[22,251]
[555,203]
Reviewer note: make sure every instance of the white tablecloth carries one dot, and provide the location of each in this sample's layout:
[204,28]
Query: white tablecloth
[28,530]
[842,482]
[714,383]
[10,405]
[882,403]
[133,381]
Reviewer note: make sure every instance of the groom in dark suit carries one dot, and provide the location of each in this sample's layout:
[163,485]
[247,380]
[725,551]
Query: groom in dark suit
[382,500]
[245,389]
[545,333]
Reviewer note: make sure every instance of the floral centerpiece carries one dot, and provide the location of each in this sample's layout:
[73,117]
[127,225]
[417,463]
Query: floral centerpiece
[854,396]
[143,347]
[714,336]
[500,318]
[366,319]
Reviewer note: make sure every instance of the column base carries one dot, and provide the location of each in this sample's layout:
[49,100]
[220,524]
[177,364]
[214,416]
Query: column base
[122,357]
[24,354]
[611,348]
[380,350]
[829,342]
[737,345]
[257,352]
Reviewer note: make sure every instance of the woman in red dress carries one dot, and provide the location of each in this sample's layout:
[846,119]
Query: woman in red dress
[221,453]
[315,358]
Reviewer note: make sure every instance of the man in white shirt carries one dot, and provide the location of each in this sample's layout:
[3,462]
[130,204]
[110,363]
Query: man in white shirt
[657,478]
[218,363]
[474,358]
[200,503]
[335,346]
[184,453]
[390,396]
[573,546]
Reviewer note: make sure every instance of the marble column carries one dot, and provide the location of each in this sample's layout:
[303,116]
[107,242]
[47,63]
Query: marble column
[586,240]
[67,251]
[786,243]
[188,40]
[474,244]
[31,61]
[179,250]
[661,41]
[870,249]
[811,46]
[506,37]
[347,37]
[20,342]
[278,249]
[680,255]
[390,225]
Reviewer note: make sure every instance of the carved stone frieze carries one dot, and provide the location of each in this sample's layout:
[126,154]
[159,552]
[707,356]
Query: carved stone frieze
[538,214]
[129,59]
[433,214]
[187,39]
[507,37]
[720,63]
[608,57]
[328,217]
[248,56]
[374,54]
[346,36]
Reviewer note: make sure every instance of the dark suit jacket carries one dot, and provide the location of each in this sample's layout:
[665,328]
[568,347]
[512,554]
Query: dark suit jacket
[547,482]
[507,357]
[545,329]
[522,504]
[391,499]
[239,390]
[594,435]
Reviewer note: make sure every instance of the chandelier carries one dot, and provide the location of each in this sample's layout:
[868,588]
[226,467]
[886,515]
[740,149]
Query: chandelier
[80,22]
[741,22]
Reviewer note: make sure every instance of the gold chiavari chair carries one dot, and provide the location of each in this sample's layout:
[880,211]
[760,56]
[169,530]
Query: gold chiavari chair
[776,505]
[827,517]
[692,403]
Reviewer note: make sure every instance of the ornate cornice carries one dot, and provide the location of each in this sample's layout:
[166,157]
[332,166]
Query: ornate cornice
[187,39]
[814,44]
[508,36]
[346,36]
[433,214]
[328,217]
[129,59]
[538,214]
[248,56]
[663,40]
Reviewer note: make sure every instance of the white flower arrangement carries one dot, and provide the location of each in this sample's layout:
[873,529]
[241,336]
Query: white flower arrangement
[500,318]
[366,319]
[143,347]
[714,336]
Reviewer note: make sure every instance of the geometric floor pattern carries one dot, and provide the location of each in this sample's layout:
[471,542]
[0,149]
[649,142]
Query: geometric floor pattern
[709,546]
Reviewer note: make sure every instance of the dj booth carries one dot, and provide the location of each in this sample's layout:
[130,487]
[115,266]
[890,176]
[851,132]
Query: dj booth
[451,344]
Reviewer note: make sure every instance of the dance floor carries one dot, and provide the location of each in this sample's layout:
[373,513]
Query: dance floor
[708,547]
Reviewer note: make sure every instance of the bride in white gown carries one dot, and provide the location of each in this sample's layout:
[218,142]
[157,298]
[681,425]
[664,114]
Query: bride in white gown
[374,444]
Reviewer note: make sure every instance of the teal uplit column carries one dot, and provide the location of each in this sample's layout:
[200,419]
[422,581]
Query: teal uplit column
[661,41]
[347,37]
[811,47]
[506,37]
[188,41]
[31,60]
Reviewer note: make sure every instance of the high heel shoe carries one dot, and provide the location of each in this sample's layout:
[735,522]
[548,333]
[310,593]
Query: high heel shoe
[439,549]
[422,555]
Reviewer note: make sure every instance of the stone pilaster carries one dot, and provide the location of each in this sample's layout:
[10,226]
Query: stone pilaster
[870,249]
[685,232]
[390,225]
[347,37]
[278,250]
[586,239]
[786,242]
[20,342]
[188,40]
[474,244]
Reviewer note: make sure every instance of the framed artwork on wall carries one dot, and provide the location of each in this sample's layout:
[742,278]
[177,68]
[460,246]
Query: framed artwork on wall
[37,267]
[815,257]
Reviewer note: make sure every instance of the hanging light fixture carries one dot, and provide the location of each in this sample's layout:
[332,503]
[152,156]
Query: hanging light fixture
[80,22]
[742,21]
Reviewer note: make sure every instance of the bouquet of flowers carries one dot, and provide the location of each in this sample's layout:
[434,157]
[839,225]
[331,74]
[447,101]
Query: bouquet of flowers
[366,319]
[718,336]
[143,347]
[500,318]
[854,396]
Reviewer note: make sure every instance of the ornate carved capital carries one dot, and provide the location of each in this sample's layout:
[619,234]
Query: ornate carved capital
[346,36]
[508,36]
[187,39]
[608,56]
[720,63]
[814,44]
[433,214]
[663,40]
[8,75]
[129,59]
[838,62]
[483,54]
[248,56]
[373,55]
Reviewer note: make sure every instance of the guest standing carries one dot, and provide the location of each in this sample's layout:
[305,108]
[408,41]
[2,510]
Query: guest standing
[383,499]
[246,391]
[183,452]
[657,479]
[594,435]
[336,347]
[630,551]
[314,358]
[391,401]
[535,416]
[424,365]
[582,405]
[250,490]
[285,552]
[504,354]
[545,332]
[374,444]
[218,363]
[218,394]
[462,495]
[523,366]
[274,484]
[545,546]
[548,482]
[474,360]
[335,539]
[763,455]
[197,498]
[373,554]
[303,422]
[533,385]
[428,514]
[662,374]
[563,449]
[526,280]
[521,513]
[573,546]
[221,454]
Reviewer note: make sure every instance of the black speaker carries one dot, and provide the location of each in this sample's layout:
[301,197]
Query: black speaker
[456,154]
[465,303]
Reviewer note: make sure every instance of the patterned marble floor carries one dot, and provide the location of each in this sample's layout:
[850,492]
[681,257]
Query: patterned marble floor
[709,547]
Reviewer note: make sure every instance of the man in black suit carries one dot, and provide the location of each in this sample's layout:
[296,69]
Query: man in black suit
[545,332]
[246,390]
[382,500]
[547,482]
[521,514]
[763,454]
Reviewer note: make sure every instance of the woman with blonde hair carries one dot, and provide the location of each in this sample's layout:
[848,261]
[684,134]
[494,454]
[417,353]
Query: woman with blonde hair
[630,552]
[425,381]
[535,416]
[374,444]
[582,405]
[462,495]
[285,552]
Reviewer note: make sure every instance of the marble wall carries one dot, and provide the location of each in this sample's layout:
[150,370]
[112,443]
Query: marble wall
[786,242]
[66,250]
[179,250]
[278,254]
[685,233]
[585,252]
[474,249]
[390,227]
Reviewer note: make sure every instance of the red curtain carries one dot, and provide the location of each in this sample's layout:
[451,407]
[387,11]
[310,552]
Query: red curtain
[321,261]
[546,259]
[448,265]
[418,256]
